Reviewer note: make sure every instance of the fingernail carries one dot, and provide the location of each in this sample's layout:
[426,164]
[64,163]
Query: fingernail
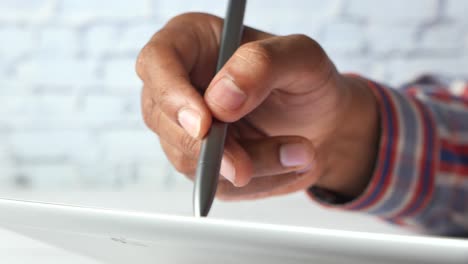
[293,155]
[190,121]
[227,95]
[228,170]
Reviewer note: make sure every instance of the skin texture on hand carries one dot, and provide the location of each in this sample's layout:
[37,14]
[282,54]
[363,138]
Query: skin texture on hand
[294,120]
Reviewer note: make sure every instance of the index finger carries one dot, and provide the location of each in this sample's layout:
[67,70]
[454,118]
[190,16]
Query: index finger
[179,59]
[165,65]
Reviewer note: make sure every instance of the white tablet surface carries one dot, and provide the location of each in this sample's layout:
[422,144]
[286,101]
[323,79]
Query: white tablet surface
[134,237]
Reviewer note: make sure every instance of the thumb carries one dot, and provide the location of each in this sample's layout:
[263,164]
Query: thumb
[294,64]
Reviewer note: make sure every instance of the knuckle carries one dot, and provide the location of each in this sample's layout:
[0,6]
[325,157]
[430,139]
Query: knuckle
[302,38]
[191,17]
[189,145]
[153,107]
[161,96]
[153,120]
[318,62]
[151,116]
[311,46]
[256,54]
[305,41]
[142,58]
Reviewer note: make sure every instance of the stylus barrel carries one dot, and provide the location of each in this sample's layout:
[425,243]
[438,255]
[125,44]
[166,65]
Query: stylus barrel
[209,163]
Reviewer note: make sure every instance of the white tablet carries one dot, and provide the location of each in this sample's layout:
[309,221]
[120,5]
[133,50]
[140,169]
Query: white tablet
[134,237]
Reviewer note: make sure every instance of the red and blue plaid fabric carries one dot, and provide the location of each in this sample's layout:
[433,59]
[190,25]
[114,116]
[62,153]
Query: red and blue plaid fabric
[421,174]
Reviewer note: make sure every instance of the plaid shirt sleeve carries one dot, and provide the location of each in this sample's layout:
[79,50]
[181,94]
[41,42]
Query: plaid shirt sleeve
[421,174]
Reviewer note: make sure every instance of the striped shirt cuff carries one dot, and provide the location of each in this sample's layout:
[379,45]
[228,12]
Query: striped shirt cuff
[403,180]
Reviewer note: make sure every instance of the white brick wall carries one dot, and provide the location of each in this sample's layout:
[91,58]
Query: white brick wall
[62,72]
[35,11]
[91,11]
[69,96]
[99,40]
[57,42]
[407,13]
[16,41]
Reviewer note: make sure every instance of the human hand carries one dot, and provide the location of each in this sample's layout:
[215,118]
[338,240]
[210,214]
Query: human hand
[294,120]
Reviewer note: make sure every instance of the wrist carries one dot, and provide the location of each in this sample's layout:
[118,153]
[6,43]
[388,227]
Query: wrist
[353,147]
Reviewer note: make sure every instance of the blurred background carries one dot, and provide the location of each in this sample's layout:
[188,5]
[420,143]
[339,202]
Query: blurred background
[70,123]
